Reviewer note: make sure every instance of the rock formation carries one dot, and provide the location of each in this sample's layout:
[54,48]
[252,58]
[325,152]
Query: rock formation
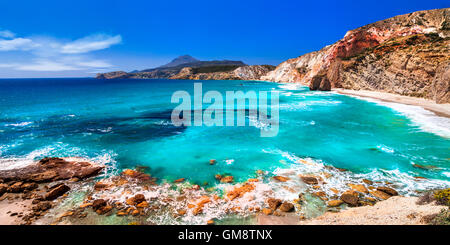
[406,54]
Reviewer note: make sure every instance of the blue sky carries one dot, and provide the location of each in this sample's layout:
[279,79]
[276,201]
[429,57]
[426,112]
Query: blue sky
[80,38]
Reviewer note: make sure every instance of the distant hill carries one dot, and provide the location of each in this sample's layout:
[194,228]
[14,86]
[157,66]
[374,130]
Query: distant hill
[180,60]
[175,66]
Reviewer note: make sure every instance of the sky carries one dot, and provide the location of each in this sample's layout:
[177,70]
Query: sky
[80,38]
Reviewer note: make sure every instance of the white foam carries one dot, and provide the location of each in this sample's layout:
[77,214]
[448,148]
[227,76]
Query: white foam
[426,120]
[22,124]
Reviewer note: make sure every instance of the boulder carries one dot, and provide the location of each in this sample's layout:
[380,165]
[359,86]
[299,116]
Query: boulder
[56,192]
[334,203]
[350,197]
[281,178]
[359,188]
[309,180]
[380,194]
[227,179]
[387,190]
[287,207]
[42,206]
[99,203]
[274,203]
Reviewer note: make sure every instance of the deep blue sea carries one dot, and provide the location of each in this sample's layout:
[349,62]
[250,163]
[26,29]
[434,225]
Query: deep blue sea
[126,123]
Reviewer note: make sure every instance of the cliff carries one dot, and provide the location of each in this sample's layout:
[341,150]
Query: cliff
[406,54]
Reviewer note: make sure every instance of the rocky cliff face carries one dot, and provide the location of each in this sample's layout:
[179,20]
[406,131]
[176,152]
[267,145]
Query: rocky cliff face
[407,54]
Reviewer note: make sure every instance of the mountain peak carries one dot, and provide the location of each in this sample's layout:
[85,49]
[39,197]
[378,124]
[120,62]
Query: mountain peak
[184,59]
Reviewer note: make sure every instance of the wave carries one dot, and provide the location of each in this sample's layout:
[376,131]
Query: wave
[426,120]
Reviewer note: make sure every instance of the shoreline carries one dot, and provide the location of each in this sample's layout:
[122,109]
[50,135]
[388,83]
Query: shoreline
[442,110]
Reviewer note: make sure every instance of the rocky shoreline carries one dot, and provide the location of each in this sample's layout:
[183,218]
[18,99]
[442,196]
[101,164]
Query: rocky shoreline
[39,193]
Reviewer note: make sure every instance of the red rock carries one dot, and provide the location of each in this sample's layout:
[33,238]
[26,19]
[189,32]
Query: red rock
[212,161]
[179,180]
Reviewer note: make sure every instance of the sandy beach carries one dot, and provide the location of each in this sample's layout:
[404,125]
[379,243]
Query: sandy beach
[394,211]
[439,109]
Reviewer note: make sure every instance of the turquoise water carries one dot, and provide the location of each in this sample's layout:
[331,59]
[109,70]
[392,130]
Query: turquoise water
[126,123]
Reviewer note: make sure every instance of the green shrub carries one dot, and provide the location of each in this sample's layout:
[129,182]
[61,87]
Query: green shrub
[443,197]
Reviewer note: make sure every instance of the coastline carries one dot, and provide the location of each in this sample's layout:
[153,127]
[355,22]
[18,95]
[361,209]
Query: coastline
[442,110]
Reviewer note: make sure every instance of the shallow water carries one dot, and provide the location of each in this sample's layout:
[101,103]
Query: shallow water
[126,123]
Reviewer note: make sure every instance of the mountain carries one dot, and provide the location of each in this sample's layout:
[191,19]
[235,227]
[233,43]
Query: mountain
[406,54]
[207,70]
[180,60]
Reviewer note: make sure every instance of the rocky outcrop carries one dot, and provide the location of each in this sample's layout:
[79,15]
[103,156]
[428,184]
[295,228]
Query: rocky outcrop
[407,55]
[51,169]
[241,73]
[113,75]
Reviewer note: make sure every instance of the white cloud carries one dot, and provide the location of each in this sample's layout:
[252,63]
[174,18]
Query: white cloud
[17,44]
[90,43]
[46,65]
[7,34]
[50,54]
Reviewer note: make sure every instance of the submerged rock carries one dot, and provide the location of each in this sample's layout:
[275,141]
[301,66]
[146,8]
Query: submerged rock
[309,180]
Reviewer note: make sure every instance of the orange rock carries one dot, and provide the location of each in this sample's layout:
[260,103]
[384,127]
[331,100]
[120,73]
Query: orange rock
[212,161]
[316,187]
[100,186]
[227,179]
[334,203]
[259,172]
[68,213]
[380,194]
[281,178]
[85,205]
[359,188]
[190,205]
[203,200]
[135,212]
[240,191]
[210,222]
[121,213]
[143,204]
[181,211]
[267,211]
[179,180]
[253,180]
[197,211]
[320,194]
[336,191]
[218,177]
[368,182]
